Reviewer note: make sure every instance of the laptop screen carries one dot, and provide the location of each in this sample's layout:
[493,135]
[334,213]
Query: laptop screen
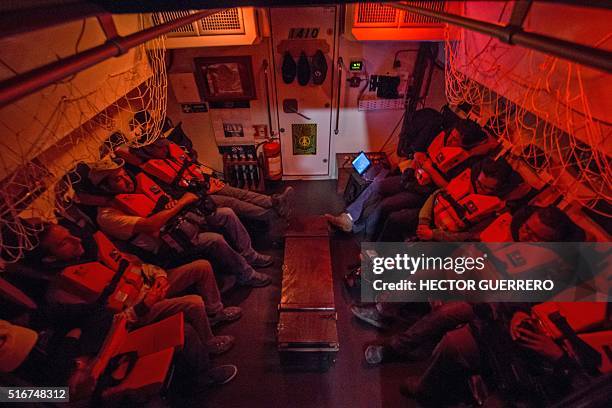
[361,163]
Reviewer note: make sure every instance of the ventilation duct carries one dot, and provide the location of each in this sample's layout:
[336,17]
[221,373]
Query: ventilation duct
[232,26]
[378,21]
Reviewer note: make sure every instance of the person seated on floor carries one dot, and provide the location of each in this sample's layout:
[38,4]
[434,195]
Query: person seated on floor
[417,181]
[144,294]
[531,224]
[518,359]
[168,164]
[135,209]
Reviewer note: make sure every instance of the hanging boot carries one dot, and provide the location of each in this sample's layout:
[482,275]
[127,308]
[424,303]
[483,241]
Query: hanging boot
[288,68]
[303,70]
[319,68]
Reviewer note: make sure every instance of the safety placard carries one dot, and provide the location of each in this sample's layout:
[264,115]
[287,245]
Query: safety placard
[304,138]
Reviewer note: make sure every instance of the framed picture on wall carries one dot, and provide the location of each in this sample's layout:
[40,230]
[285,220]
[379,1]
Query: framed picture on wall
[225,78]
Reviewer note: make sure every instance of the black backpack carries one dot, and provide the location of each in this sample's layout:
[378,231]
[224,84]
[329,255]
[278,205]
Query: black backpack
[418,130]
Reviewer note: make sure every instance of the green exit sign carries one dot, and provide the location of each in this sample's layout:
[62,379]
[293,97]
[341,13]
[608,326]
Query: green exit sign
[356,66]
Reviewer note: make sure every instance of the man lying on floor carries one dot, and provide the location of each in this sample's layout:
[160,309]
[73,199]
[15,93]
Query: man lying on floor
[144,294]
[137,210]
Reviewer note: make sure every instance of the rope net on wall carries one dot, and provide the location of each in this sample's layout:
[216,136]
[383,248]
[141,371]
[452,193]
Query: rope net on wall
[544,117]
[36,154]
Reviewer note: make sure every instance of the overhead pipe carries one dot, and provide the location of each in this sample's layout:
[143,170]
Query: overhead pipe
[141,6]
[582,54]
[25,84]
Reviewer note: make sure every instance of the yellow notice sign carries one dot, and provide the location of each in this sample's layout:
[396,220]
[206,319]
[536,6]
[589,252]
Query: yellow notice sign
[304,138]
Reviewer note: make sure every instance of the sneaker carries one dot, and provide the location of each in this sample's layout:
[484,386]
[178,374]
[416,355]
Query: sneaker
[257,280]
[288,69]
[343,221]
[374,354]
[228,314]
[262,261]
[220,344]
[284,202]
[370,315]
[221,375]
[303,70]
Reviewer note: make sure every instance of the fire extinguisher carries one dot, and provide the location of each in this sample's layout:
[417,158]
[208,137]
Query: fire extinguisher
[272,160]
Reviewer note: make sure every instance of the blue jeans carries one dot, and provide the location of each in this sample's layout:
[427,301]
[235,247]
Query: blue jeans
[230,247]
[455,357]
[430,329]
[245,203]
[371,194]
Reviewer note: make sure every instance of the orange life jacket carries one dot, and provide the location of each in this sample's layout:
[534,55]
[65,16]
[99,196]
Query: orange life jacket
[525,261]
[445,158]
[601,341]
[499,230]
[149,374]
[167,170]
[143,200]
[582,316]
[89,280]
[459,205]
[590,320]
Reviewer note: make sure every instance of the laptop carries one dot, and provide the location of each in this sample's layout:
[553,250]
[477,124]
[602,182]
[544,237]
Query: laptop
[361,163]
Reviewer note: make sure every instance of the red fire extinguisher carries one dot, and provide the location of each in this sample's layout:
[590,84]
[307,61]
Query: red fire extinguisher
[272,160]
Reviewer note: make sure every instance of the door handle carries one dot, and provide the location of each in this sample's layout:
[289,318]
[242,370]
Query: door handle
[291,106]
[298,113]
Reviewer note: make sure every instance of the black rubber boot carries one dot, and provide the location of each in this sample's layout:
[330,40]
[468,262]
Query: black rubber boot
[288,68]
[303,70]
[319,68]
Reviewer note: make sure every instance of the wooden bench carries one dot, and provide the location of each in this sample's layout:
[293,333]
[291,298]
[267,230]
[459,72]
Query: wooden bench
[307,333]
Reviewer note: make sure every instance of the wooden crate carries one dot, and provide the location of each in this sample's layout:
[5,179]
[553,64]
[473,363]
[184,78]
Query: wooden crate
[307,275]
[309,226]
[307,340]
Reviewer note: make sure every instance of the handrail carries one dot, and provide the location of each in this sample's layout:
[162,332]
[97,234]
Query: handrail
[340,64]
[582,54]
[27,83]
[265,69]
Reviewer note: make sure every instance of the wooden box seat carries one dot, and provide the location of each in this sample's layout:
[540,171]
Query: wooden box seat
[307,280]
[307,333]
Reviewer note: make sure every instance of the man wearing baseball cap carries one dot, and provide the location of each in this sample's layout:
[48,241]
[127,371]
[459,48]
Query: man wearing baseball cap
[143,230]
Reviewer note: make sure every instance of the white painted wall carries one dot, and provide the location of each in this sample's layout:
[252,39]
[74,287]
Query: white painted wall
[34,123]
[198,126]
[368,130]
[358,130]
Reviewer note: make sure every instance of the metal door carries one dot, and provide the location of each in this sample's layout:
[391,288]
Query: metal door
[304,111]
